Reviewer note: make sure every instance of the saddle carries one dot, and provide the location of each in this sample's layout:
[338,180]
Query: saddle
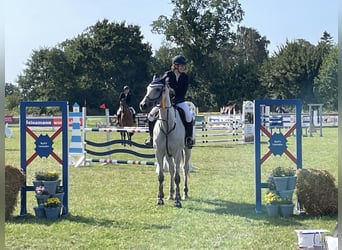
[182,115]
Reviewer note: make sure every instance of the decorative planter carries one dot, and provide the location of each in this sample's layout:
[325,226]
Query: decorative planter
[291,182]
[41,199]
[280,183]
[39,212]
[59,196]
[51,186]
[286,210]
[37,183]
[272,209]
[52,213]
[286,194]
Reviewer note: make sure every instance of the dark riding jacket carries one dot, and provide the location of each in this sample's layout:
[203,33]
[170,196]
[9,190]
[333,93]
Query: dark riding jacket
[126,97]
[180,87]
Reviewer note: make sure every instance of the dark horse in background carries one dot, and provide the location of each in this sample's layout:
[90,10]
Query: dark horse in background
[126,120]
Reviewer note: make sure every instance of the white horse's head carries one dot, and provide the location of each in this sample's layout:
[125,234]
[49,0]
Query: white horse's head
[153,95]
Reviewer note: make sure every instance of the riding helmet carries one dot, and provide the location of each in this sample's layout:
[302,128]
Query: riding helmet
[179,59]
[126,87]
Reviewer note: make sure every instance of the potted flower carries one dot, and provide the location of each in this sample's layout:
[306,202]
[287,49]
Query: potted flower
[272,200]
[42,194]
[48,179]
[279,178]
[41,190]
[47,175]
[278,172]
[52,208]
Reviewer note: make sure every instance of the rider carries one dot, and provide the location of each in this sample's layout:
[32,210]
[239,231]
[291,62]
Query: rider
[125,95]
[178,81]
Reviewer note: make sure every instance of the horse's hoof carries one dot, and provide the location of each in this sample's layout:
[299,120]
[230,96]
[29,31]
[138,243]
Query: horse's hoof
[178,204]
[185,197]
[170,198]
[160,202]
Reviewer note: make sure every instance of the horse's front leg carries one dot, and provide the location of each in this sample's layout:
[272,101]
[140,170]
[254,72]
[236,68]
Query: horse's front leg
[172,182]
[186,167]
[160,195]
[177,202]
[123,138]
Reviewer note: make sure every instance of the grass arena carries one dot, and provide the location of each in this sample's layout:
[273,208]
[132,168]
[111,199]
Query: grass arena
[113,206]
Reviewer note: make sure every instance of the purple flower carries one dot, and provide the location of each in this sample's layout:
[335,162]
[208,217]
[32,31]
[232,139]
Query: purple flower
[40,190]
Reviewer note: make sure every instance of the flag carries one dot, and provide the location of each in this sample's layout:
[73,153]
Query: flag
[103,106]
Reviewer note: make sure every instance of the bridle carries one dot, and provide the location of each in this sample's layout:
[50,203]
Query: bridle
[155,100]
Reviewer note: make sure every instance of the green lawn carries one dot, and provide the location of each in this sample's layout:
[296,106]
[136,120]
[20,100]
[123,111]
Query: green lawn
[113,206]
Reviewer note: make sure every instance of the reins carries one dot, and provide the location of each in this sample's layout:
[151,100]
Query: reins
[168,130]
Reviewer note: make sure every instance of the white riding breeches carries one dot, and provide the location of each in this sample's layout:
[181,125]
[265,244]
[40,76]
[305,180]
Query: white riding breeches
[185,107]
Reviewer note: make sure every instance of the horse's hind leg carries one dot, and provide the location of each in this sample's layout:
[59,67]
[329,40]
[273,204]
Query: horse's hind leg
[186,189]
[129,135]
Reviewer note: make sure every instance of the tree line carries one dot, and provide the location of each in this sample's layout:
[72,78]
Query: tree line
[228,63]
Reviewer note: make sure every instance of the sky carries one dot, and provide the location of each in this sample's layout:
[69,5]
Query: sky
[31,25]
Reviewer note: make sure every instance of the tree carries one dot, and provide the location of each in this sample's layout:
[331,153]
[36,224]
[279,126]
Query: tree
[91,68]
[47,76]
[12,97]
[325,84]
[291,71]
[106,57]
[201,29]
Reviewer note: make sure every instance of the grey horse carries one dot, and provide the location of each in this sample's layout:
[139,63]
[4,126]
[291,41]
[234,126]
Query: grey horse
[168,141]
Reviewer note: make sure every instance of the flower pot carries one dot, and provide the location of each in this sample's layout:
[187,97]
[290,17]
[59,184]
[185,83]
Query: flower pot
[291,182]
[37,183]
[272,209]
[51,186]
[59,196]
[39,212]
[286,210]
[52,213]
[280,183]
[41,199]
[286,194]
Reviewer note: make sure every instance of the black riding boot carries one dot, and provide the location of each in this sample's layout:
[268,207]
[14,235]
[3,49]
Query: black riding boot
[188,134]
[149,141]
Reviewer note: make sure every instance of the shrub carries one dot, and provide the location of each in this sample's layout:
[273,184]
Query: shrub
[316,192]
[14,179]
